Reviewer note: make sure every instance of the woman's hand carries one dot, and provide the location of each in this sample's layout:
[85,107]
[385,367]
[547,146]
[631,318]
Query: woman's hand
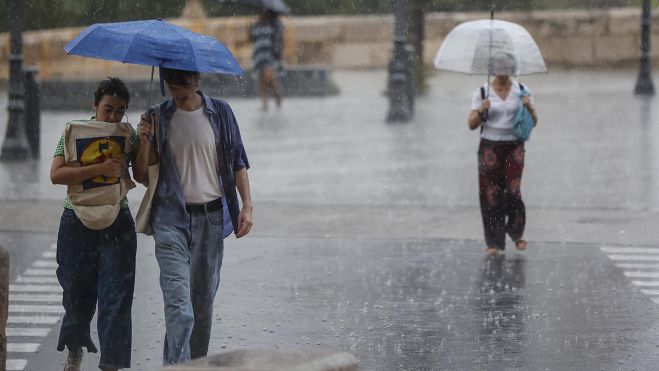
[112,167]
[485,105]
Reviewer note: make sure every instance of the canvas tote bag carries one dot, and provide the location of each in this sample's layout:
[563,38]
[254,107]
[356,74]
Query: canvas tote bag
[143,217]
[97,201]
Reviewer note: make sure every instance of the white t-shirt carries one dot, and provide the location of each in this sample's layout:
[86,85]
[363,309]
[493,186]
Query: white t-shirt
[192,142]
[501,115]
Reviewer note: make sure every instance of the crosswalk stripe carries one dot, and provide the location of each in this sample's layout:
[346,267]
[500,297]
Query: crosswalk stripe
[49,254]
[40,272]
[35,288]
[656,300]
[37,320]
[633,257]
[35,297]
[15,308]
[16,364]
[651,292]
[642,274]
[645,283]
[631,250]
[45,264]
[23,347]
[638,265]
[33,279]
[27,331]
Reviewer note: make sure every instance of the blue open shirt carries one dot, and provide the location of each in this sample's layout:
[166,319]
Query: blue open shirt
[168,207]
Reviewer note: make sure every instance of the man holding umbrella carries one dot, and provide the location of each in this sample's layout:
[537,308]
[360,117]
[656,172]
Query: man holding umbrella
[196,141]
[192,156]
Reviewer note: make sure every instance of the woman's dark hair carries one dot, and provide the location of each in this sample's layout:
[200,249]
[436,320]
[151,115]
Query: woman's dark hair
[178,77]
[113,87]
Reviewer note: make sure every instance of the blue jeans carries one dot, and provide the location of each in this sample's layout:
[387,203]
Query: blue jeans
[97,265]
[190,260]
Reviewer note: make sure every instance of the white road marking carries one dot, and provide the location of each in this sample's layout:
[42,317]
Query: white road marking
[641,274]
[16,308]
[27,331]
[16,364]
[631,250]
[23,347]
[37,320]
[35,288]
[646,283]
[40,272]
[37,279]
[45,264]
[633,257]
[638,265]
[35,297]
[49,254]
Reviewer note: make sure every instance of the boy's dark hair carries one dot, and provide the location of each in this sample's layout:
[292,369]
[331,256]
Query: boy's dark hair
[114,87]
[178,77]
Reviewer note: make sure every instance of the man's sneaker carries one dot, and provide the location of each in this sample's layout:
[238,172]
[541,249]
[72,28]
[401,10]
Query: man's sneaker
[74,360]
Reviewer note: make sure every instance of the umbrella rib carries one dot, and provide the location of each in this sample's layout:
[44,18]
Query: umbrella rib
[194,54]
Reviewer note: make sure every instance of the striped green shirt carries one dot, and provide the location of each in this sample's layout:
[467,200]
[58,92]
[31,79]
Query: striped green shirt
[59,151]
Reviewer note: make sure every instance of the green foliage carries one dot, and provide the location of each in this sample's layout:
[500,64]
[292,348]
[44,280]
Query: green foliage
[43,14]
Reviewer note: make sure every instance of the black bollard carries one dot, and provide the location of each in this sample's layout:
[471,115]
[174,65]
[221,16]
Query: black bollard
[644,84]
[32,110]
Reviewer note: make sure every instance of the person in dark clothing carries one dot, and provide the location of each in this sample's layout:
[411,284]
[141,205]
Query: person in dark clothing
[96,266]
[267,36]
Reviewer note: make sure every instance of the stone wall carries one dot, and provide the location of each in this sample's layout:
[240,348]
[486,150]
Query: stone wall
[575,38]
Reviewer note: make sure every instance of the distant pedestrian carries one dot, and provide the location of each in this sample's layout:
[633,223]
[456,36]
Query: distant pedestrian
[203,165]
[500,155]
[96,266]
[268,39]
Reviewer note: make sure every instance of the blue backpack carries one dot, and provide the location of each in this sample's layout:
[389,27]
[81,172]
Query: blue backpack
[523,119]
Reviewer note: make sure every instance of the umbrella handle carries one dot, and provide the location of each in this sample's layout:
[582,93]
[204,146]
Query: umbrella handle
[485,113]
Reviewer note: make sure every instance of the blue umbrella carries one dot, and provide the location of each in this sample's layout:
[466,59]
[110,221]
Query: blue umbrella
[154,43]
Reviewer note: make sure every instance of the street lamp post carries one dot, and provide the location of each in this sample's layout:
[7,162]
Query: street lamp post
[644,85]
[401,73]
[15,146]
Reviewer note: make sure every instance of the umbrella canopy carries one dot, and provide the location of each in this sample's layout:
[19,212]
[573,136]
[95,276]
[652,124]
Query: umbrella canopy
[482,47]
[154,43]
[276,6]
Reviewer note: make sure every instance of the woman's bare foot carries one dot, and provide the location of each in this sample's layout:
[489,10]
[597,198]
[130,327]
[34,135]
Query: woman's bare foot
[492,251]
[521,245]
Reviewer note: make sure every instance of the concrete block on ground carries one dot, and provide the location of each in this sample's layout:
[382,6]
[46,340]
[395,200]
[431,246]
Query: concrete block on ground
[261,360]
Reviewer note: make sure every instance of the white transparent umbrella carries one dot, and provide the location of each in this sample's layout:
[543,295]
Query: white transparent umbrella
[472,48]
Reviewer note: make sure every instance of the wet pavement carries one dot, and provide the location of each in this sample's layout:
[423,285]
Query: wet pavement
[368,239]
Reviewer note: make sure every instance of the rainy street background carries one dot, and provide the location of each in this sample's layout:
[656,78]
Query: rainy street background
[368,237]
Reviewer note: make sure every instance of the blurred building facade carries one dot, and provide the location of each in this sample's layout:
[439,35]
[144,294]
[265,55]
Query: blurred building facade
[575,38]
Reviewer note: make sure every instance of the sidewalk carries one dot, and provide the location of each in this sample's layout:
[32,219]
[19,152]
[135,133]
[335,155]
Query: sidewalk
[368,239]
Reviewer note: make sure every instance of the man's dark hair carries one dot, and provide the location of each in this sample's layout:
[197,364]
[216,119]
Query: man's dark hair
[113,87]
[178,77]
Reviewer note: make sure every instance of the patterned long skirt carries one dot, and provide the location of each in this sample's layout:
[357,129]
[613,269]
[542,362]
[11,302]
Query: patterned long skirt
[500,166]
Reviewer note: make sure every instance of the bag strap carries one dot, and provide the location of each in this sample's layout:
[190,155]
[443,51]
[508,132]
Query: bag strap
[156,127]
